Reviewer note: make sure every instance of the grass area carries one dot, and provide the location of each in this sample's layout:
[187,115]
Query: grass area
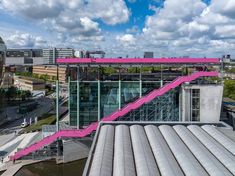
[35,127]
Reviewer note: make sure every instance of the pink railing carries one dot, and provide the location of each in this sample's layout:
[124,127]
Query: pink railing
[131,106]
[137,60]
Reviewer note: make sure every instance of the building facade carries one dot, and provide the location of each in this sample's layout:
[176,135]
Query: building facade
[24,57]
[52,71]
[27,83]
[96,95]
[51,54]
[2,57]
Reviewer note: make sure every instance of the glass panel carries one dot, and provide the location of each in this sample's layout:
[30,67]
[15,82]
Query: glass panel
[130,91]
[109,98]
[195,92]
[73,103]
[195,115]
[148,86]
[88,103]
[195,105]
[163,108]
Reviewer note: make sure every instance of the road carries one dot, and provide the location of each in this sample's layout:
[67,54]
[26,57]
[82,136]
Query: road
[45,105]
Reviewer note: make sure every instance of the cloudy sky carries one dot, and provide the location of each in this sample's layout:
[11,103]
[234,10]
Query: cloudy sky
[122,27]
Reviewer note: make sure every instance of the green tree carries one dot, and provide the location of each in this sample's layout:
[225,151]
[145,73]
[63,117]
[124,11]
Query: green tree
[54,78]
[229,89]
[11,93]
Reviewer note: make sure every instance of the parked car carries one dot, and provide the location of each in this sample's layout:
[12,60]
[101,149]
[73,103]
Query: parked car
[24,124]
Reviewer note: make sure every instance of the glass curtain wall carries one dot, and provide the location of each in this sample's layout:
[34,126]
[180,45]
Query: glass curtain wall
[88,110]
[73,103]
[109,100]
[87,107]
[95,99]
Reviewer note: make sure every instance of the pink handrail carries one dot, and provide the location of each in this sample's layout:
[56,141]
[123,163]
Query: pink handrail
[137,60]
[131,106]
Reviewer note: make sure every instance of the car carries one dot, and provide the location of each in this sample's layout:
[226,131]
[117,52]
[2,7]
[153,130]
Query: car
[24,124]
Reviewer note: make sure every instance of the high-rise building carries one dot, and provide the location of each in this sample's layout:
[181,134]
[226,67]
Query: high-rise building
[2,56]
[51,54]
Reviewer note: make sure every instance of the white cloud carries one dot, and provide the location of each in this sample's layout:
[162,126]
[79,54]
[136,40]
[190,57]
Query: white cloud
[188,26]
[73,18]
[181,27]
[111,12]
[25,40]
[126,39]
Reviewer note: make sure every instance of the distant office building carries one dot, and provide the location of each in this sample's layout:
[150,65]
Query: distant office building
[51,54]
[148,54]
[51,72]
[2,56]
[24,57]
[92,54]
[227,59]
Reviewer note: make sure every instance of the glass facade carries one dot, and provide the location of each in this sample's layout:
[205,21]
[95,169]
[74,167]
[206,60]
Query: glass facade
[163,108]
[109,93]
[130,91]
[88,110]
[195,100]
[98,99]
[73,103]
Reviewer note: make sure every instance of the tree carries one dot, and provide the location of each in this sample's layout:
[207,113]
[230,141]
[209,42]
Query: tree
[54,78]
[229,89]
[11,93]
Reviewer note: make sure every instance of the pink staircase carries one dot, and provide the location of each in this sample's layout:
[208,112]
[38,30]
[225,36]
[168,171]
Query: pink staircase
[119,113]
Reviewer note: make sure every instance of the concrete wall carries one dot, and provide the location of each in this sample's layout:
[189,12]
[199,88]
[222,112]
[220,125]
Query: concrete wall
[185,104]
[74,150]
[210,102]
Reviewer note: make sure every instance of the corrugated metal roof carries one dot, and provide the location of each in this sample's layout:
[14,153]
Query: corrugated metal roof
[143,149]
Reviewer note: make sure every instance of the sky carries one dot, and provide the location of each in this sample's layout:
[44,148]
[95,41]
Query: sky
[169,28]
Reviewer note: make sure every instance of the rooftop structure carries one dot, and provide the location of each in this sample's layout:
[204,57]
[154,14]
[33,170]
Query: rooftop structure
[122,148]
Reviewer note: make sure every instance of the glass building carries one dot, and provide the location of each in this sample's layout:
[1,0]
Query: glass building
[96,94]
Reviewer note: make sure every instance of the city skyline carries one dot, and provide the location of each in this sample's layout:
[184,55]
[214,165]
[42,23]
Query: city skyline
[168,28]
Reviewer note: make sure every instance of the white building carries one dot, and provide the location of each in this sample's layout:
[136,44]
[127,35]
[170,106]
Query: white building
[201,103]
